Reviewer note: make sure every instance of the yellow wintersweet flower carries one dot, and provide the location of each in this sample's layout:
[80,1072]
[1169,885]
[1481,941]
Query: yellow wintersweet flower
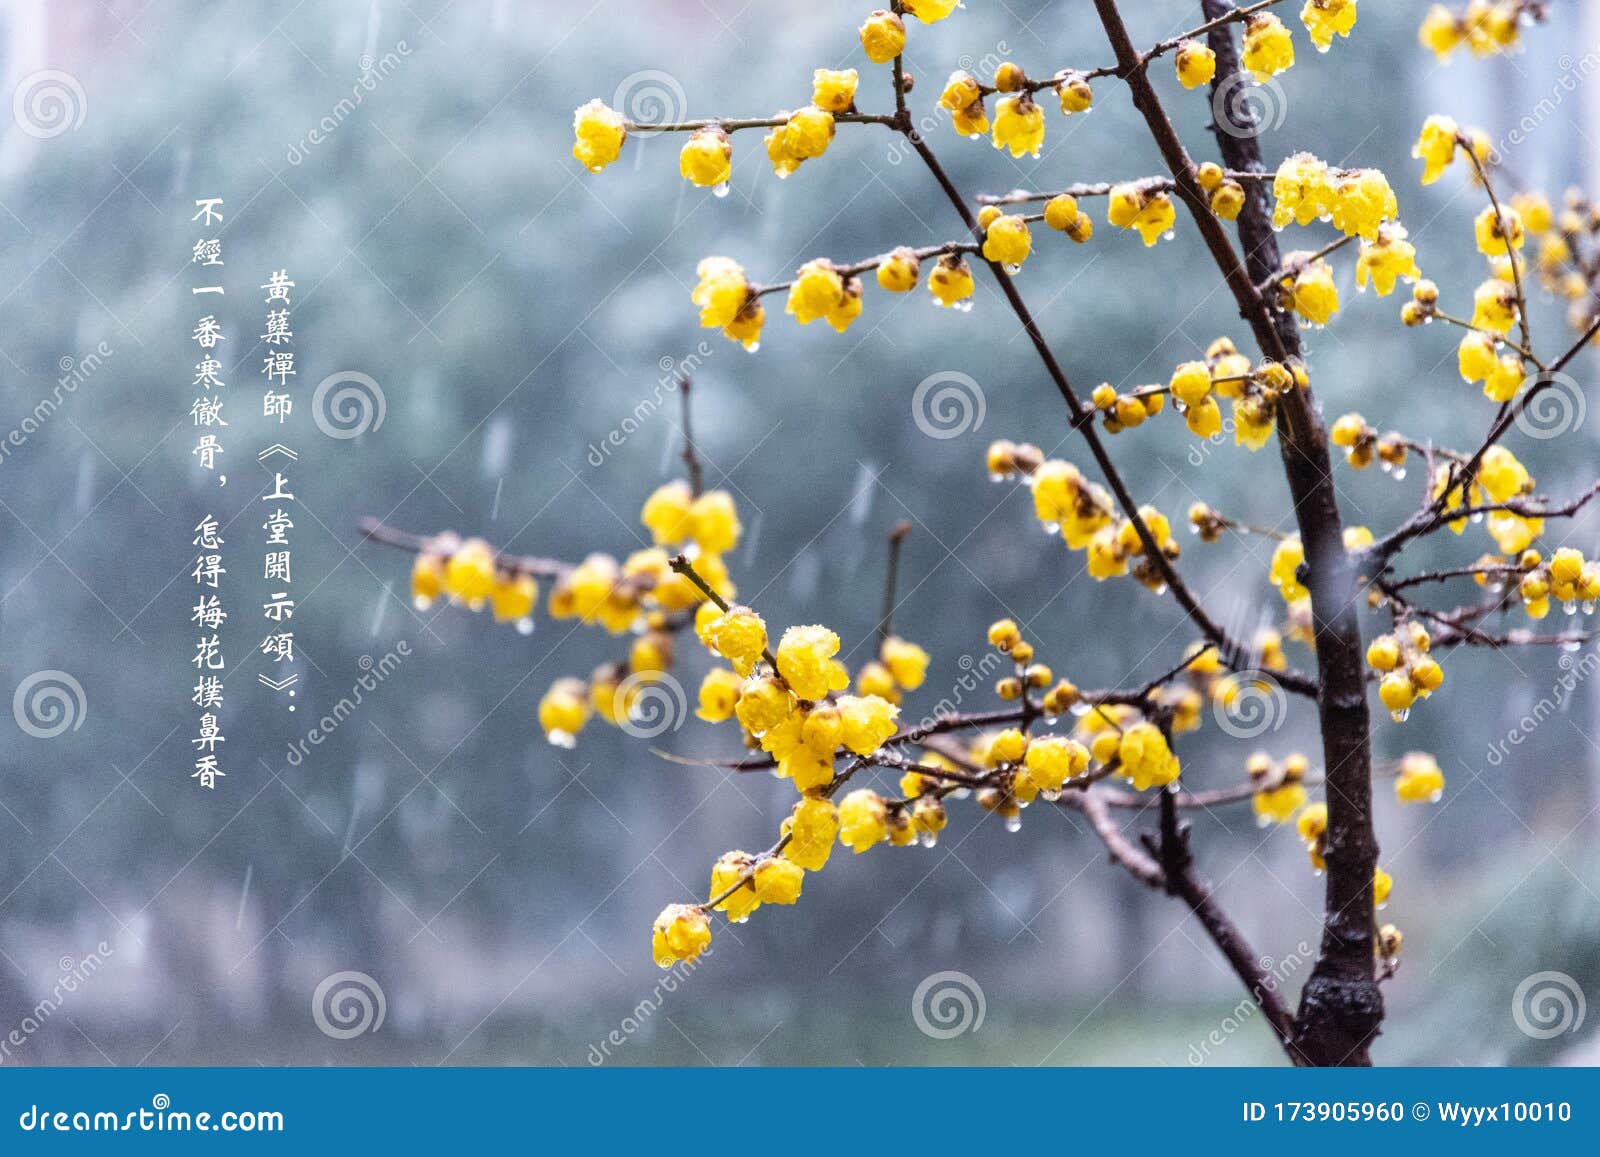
[778,881]
[1147,760]
[733,871]
[1535,211]
[1505,380]
[1440,32]
[719,691]
[1302,190]
[1286,560]
[907,662]
[469,576]
[863,820]
[960,91]
[1382,884]
[849,307]
[868,721]
[899,271]
[720,292]
[1018,125]
[427,579]
[817,290]
[745,328]
[1498,235]
[714,522]
[1362,201]
[1227,201]
[806,662]
[784,162]
[1254,419]
[834,90]
[1007,241]
[1277,805]
[1190,383]
[883,36]
[808,132]
[599,132]
[707,158]
[1051,760]
[951,281]
[931,11]
[1196,64]
[513,599]
[1313,822]
[739,636]
[666,513]
[1148,210]
[1475,357]
[1060,212]
[811,827]
[563,711]
[1325,19]
[1268,47]
[1494,306]
[1075,94]
[1436,147]
[1386,258]
[971,122]
[681,932]
[1313,294]
[1502,475]
[763,704]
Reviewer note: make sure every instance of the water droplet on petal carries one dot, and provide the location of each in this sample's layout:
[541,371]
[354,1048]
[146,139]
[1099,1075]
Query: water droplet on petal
[720,190]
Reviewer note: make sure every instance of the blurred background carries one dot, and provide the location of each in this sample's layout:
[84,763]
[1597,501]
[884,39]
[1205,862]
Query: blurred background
[409,163]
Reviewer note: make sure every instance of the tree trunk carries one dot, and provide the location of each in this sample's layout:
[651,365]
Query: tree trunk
[1341,1007]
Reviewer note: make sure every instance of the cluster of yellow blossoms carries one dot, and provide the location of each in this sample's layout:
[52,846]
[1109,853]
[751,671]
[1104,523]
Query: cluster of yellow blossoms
[640,594]
[1280,787]
[1195,387]
[472,575]
[1354,201]
[1363,445]
[1420,780]
[1566,577]
[1018,124]
[1484,26]
[1501,231]
[1409,672]
[1083,514]
[1312,825]
[1500,478]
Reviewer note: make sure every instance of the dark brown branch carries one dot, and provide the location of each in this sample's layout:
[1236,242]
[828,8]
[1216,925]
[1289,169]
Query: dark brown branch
[891,579]
[691,457]
[1341,1006]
